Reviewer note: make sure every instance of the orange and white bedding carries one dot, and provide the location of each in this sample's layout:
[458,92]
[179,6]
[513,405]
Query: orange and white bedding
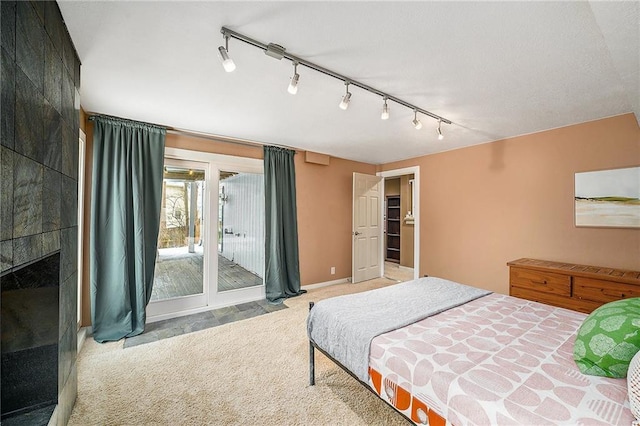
[496,360]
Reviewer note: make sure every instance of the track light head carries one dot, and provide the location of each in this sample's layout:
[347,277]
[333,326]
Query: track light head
[440,136]
[416,123]
[344,104]
[293,84]
[227,62]
[385,110]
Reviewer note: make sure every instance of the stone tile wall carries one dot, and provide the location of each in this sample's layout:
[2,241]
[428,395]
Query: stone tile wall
[39,130]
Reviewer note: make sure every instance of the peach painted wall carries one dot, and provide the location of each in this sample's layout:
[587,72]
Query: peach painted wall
[324,217]
[194,143]
[488,204]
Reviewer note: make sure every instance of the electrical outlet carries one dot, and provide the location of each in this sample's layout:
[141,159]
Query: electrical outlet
[333,270]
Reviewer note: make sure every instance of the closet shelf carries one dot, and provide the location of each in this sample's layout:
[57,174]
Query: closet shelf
[393,228]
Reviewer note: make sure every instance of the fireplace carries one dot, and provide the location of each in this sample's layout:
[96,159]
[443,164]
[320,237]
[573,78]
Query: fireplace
[29,340]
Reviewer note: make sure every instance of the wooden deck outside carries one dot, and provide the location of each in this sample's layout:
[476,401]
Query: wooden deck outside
[180,274]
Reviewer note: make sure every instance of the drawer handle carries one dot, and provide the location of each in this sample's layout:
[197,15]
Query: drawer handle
[540,282]
[614,294]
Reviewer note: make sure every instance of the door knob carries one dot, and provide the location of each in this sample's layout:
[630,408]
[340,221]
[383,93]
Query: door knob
[357,233]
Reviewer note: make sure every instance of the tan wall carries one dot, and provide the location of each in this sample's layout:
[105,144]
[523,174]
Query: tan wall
[485,205]
[324,217]
[391,186]
[193,143]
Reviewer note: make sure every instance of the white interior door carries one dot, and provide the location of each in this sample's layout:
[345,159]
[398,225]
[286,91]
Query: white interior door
[367,229]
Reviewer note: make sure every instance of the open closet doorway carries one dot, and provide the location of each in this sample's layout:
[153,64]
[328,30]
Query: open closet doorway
[400,242]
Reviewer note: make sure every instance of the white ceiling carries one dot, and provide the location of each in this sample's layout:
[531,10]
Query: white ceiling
[495,69]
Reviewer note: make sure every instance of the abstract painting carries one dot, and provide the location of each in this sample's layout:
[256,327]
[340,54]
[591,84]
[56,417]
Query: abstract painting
[608,198]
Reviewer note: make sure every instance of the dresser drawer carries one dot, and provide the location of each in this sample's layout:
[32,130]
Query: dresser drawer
[603,291]
[585,306]
[579,287]
[546,282]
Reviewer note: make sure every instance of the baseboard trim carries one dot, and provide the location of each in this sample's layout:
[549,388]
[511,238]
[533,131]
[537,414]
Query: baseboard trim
[172,315]
[82,335]
[327,283]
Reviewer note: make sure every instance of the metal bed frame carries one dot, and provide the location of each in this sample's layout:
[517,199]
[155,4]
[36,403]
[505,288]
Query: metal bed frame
[312,371]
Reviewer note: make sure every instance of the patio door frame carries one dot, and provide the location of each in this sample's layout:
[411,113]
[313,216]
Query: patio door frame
[415,171]
[168,308]
[211,298]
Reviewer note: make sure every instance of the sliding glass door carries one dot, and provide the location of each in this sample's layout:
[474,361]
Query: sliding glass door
[179,280]
[240,234]
[211,241]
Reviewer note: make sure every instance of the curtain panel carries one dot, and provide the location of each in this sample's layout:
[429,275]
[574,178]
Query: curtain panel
[282,269]
[126,196]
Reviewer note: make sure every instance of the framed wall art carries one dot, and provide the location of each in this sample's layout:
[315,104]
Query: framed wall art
[608,198]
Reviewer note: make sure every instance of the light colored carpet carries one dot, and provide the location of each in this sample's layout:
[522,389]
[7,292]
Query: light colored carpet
[253,371]
[394,271]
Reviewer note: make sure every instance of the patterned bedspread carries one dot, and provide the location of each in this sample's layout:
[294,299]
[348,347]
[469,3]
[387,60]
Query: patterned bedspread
[345,325]
[496,360]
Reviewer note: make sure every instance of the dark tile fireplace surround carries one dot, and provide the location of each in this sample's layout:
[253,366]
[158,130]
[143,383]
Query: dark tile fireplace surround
[39,129]
[30,341]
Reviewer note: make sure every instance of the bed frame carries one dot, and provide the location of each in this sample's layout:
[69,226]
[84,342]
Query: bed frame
[312,371]
[631,289]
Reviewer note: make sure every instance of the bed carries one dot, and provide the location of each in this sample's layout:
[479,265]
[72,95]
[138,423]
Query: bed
[442,353]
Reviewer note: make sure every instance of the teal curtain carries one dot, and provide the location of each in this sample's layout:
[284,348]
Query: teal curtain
[282,269]
[126,199]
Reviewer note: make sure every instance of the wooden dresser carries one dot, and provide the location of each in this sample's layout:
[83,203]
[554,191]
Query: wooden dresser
[579,287]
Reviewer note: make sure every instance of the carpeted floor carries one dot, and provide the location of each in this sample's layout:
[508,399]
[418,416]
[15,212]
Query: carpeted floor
[253,371]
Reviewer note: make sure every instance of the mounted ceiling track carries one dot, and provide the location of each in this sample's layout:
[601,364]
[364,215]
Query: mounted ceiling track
[279,52]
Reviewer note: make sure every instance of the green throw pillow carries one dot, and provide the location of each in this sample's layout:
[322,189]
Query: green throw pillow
[608,339]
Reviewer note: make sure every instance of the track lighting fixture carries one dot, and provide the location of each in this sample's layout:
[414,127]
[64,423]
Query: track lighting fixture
[416,123]
[279,52]
[293,84]
[344,104]
[275,51]
[440,136]
[227,62]
[385,110]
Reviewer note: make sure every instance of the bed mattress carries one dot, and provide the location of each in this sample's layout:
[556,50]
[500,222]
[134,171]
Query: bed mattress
[496,360]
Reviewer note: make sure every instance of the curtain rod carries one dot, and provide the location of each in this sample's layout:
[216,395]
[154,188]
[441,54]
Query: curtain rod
[176,131]
[225,139]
